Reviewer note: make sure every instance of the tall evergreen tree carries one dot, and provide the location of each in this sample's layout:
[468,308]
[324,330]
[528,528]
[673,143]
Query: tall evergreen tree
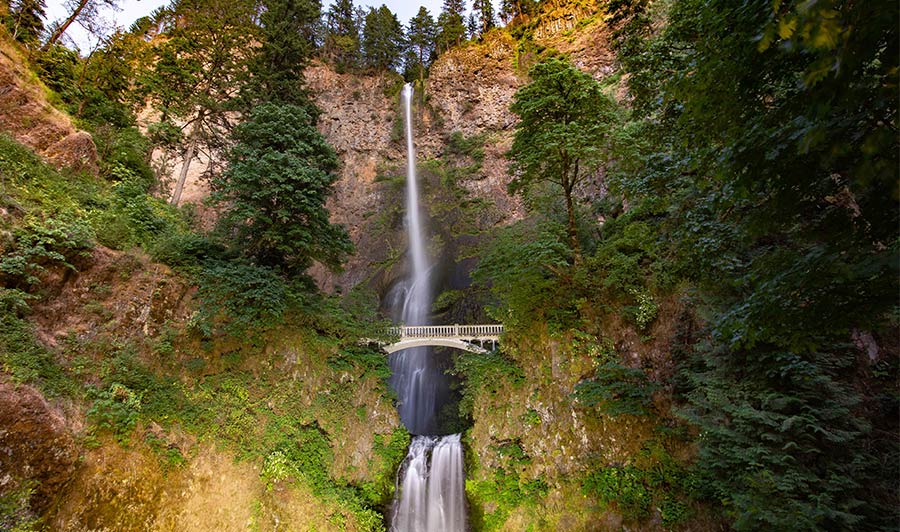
[286,34]
[382,39]
[420,37]
[279,176]
[342,42]
[511,9]
[196,73]
[483,10]
[25,20]
[451,24]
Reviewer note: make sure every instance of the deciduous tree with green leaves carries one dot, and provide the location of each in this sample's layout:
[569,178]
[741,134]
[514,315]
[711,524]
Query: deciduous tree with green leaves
[773,133]
[564,136]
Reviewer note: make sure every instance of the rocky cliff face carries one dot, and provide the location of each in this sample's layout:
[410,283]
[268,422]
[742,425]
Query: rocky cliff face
[469,92]
[27,116]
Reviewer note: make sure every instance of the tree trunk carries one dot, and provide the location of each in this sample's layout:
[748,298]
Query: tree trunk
[58,32]
[572,228]
[182,176]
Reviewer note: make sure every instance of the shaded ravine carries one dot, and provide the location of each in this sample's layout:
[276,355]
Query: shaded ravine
[431,481]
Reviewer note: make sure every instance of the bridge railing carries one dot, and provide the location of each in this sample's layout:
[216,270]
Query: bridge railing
[447,331]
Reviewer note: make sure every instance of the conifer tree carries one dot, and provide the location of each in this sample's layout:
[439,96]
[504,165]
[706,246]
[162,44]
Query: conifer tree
[382,39]
[451,25]
[25,21]
[287,43]
[483,11]
[196,73]
[420,36]
[279,176]
[342,43]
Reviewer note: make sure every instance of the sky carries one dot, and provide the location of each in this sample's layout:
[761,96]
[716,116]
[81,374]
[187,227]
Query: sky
[131,10]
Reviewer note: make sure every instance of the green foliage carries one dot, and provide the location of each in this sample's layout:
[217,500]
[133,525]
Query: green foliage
[451,25]
[362,360]
[617,390]
[24,21]
[504,490]
[653,481]
[134,217]
[623,486]
[520,266]
[382,39]
[342,40]
[116,409]
[421,36]
[279,176]
[484,374]
[39,244]
[564,135]
[390,450]
[15,507]
[790,231]
[460,145]
[277,65]
[22,357]
[239,298]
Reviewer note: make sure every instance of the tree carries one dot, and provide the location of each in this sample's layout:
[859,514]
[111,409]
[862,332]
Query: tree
[286,34]
[195,74]
[420,37]
[382,39]
[774,135]
[564,135]
[342,43]
[484,14]
[86,11]
[451,25]
[279,175]
[512,9]
[25,20]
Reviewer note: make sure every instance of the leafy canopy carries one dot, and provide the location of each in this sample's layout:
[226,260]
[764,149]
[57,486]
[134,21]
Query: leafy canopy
[565,133]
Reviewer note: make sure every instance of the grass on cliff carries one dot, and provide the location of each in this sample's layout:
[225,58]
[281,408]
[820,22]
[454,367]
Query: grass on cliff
[210,378]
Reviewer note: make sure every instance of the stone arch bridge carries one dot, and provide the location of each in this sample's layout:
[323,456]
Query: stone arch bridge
[466,337]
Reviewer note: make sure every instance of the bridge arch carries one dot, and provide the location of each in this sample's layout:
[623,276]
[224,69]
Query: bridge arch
[433,342]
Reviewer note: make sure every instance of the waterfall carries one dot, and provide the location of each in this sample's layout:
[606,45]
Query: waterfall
[431,480]
[432,492]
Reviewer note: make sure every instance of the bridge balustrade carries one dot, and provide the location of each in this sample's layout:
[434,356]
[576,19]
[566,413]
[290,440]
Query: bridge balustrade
[447,331]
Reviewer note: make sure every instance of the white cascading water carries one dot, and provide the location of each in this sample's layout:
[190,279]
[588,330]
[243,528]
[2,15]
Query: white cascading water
[431,480]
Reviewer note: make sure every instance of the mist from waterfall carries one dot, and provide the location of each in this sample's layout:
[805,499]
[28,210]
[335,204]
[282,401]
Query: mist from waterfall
[431,480]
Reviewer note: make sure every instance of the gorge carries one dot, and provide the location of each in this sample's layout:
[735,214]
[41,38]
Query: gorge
[681,216]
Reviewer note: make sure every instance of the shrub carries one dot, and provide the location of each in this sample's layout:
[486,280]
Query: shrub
[617,390]
[40,243]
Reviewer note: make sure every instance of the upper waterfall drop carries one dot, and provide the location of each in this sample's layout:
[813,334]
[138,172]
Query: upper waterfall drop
[418,303]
